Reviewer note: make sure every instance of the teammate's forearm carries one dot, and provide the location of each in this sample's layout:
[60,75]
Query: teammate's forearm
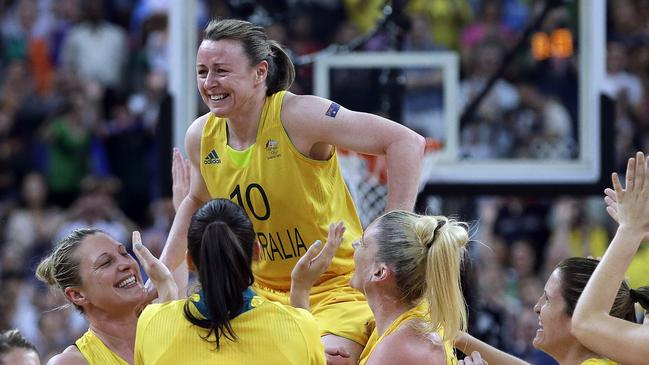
[467,344]
[181,278]
[404,160]
[173,253]
[600,292]
[299,297]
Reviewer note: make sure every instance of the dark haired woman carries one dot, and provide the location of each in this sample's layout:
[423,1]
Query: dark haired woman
[555,309]
[274,153]
[622,341]
[225,322]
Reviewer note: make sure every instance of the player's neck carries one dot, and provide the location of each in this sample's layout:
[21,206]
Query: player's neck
[386,310]
[575,355]
[118,336]
[243,126]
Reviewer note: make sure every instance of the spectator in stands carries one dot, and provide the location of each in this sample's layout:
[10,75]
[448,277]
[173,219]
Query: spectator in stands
[33,225]
[89,44]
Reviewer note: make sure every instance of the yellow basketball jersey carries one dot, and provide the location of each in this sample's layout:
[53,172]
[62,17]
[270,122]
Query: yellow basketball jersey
[269,333]
[290,198]
[95,352]
[413,313]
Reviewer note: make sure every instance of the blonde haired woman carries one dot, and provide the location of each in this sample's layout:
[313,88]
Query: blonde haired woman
[98,276]
[408,268]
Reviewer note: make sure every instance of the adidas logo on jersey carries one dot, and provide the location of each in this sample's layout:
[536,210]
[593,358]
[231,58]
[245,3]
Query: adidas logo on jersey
[211,158]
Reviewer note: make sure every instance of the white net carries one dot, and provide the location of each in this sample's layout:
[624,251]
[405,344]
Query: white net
[369,194]
[366,180]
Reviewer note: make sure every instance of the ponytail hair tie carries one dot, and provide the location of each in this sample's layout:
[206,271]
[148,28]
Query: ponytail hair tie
[634,295]
[440,224]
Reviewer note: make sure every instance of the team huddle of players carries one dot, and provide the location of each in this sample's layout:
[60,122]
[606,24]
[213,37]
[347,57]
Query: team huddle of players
[265,187]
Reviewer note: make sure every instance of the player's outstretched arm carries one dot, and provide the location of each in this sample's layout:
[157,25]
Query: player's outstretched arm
[614,338]
[314,124]
[173,254]
[487,353]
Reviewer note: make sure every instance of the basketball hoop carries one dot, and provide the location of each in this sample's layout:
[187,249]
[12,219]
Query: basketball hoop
[367,176]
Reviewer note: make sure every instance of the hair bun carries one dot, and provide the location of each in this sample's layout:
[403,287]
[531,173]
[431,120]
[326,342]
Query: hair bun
[440,224]
[45,271]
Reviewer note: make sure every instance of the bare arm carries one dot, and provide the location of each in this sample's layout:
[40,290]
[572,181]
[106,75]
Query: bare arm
[315,124]
[71,356]
[622,341]
[173,254]
[469,344]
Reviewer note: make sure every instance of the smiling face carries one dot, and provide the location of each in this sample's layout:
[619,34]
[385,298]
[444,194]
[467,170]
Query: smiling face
[554,332]
[226,80]
[110,277]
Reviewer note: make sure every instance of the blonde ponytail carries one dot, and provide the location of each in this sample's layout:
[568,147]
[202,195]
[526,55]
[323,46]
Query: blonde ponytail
[443,290]
[426,253]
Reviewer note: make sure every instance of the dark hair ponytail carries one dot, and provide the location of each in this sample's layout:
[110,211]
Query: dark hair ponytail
[641,296]
[220,241]
[281,72]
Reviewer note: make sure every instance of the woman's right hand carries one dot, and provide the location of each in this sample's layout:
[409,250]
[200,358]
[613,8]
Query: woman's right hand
[630,206]
[162,284]
[313,264]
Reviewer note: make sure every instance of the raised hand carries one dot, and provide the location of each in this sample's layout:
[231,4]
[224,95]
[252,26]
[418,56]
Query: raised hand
[162,284]
[180,173]
[313,264]
[629,206]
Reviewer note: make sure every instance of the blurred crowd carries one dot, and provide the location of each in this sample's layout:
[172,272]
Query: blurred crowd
[85,130]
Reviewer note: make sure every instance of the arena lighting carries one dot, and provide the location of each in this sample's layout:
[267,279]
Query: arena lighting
[509,57]
[558,44]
